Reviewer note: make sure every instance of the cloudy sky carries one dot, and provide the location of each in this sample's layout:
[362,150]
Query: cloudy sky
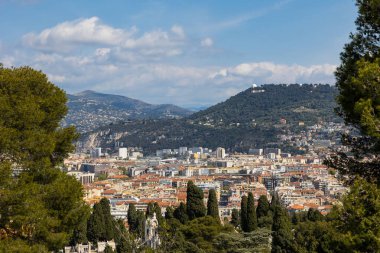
[190,53]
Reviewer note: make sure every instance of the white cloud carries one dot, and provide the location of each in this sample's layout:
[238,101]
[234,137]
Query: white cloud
[268,72]
[68,36]
[207,42]
[178,30]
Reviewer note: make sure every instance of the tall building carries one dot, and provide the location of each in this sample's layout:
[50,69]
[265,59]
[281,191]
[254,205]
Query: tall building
[96,152]
[123,153]
[220,153]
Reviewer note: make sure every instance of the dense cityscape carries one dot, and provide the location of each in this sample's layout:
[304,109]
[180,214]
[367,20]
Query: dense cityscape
[256,136]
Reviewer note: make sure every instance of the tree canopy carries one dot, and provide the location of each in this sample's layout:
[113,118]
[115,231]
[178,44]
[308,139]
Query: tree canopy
[40,206]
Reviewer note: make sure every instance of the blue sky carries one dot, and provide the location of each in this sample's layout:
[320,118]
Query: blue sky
[189,53]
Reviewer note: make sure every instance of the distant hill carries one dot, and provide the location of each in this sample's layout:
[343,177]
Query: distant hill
[89,110]
[248,119]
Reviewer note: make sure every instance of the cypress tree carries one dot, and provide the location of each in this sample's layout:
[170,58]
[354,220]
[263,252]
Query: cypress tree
[235,219]
[212,204]
[149,210]
[132,217]
[169,214]
[251,213]
[157,210]
[181,214]
[109,223]
[96,224]
[263,207]
[282,241]
[140,224]
[194,204]
[243,213]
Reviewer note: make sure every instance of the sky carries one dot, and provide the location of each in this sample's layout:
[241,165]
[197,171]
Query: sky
[186,52]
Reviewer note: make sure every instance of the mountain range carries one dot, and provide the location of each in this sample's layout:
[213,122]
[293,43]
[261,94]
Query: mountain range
[252,118]
[89,110]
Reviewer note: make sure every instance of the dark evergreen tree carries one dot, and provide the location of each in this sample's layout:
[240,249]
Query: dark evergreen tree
[132,217]
[42,200]
[157,210]
[149,210]
[212,204]
[251,213]
[109,223]
[282,241]
[180,213]
[140,224]
[314,215]
[243,213]
[357,79]
[96,225]
[194,205]
[263,207]
[235,219]
[108,249]
[169,214]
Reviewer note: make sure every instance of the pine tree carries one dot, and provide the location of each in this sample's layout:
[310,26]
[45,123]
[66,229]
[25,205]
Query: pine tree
[243,213]
[180,213]
[235,219]
[212,204]
[194,204]
[358,81]
[49,203]
[132,217]
[251,214]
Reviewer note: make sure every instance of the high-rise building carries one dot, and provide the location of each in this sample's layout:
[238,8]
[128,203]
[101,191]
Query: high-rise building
[220,153]
[123,153]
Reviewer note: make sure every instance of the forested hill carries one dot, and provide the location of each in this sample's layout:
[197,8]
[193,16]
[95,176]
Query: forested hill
[89,110]
[269,103]
[248,119]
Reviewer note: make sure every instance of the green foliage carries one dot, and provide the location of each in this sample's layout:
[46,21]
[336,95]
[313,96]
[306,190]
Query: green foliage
[244,213]
[358,79]
[251,214]
[358,218]
[132,217]
[212,204]
[108,249]
[169,214]
[263,206]
[140,224]
[202,231]
[320,237]
[235,218]
[194,203]
[264,213]
[42,208]
[101,225]
[180,213]
[256,241]
[282,241]
[149,210]
[157,210]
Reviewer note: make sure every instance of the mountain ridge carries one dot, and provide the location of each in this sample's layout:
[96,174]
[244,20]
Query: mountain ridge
[251,118]
[90,109]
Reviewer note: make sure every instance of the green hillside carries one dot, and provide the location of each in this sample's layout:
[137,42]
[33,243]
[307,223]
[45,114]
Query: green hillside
[248,119]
